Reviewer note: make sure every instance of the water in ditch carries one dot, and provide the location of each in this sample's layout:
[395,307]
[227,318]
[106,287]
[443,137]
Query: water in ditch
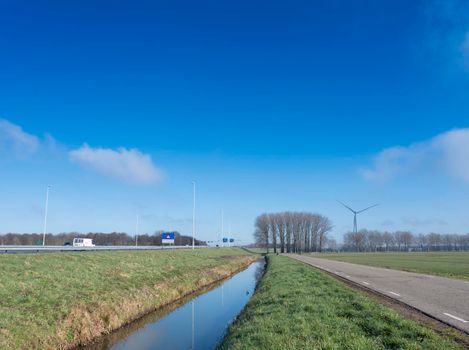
[197,322]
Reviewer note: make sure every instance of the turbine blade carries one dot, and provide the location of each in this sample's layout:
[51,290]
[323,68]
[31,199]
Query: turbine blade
[361,211]
[353,211]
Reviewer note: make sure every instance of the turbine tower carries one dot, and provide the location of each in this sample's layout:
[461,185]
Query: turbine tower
[355,212]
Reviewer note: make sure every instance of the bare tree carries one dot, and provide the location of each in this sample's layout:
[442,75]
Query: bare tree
[272,218]
[388,239]
[434,239]
[307,232]
[374,240]
[289,230]
[421,240]
[325,226]
[331,244]
[356,240]
[407,239]
[261,233]
[296,231]
[281,229]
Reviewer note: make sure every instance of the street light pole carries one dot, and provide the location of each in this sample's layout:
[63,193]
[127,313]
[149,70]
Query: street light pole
[222,228]
[136,232]
[193,216]
[45,216]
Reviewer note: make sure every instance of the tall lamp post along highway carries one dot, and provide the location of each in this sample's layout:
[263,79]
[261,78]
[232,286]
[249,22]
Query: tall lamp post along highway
[193,215]
[136,231]
[45,216]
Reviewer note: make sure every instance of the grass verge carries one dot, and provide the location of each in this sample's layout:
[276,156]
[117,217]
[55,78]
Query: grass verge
[446,264]
[256,250]
[61,300]
[298,307]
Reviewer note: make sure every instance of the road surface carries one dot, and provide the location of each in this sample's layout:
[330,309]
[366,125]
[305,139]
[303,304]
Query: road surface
[442,298]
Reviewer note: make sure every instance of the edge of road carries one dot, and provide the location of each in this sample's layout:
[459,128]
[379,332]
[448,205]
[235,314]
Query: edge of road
[435,323]
[13,249]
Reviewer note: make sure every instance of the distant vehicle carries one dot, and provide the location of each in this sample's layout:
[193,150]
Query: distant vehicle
[83,242]
[67,243]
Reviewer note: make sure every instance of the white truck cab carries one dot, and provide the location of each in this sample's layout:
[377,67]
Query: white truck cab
[83,242]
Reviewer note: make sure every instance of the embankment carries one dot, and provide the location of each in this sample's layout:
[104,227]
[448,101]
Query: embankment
[298,307]
[62,300]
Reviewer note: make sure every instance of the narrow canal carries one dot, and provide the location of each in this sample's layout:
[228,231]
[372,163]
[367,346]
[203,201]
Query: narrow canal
[198,322]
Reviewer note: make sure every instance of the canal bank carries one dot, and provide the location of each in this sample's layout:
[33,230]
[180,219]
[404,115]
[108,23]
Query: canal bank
[198,321]
[298,307]
[64,300]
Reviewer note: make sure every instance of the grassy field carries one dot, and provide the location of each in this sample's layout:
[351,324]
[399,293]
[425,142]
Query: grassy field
[298,307]
[447,264]
[57,300]
[257,250]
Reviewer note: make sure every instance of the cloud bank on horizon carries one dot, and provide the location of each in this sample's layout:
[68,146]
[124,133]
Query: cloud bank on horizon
[446,152]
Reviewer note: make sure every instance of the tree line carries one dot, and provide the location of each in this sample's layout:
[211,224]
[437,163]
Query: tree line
[373,241]
[292,232]
[99,238]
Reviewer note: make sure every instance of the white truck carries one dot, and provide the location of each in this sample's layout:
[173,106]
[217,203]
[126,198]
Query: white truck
[83,242]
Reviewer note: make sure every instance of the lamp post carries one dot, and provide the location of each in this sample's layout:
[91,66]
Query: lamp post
[193,216]
[45,216]
[136,231]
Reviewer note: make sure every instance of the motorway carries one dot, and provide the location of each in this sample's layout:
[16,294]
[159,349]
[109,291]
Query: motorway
[50,249]
[444,299]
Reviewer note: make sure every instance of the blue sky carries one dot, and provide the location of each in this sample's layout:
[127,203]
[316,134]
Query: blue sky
[267,105]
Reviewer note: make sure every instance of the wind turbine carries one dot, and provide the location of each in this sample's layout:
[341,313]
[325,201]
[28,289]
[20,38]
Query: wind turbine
[355,212]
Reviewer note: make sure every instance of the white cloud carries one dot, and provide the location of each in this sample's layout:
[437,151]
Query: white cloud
[448,151]
[14,140]
[453,152]
[129,165]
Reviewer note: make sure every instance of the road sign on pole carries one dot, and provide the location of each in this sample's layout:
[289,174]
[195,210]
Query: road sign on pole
[167,238]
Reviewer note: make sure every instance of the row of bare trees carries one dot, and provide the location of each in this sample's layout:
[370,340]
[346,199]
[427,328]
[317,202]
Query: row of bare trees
[372,241]
[99,238]
[292,232]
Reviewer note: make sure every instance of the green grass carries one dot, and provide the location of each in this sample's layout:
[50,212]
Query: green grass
[256,250]
[298,307]
[56,300]
[447,264]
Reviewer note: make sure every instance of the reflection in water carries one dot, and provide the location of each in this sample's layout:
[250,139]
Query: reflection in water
[198,324]
[193,326]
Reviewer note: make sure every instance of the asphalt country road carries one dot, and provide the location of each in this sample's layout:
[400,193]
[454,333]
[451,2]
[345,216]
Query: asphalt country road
[442,298]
